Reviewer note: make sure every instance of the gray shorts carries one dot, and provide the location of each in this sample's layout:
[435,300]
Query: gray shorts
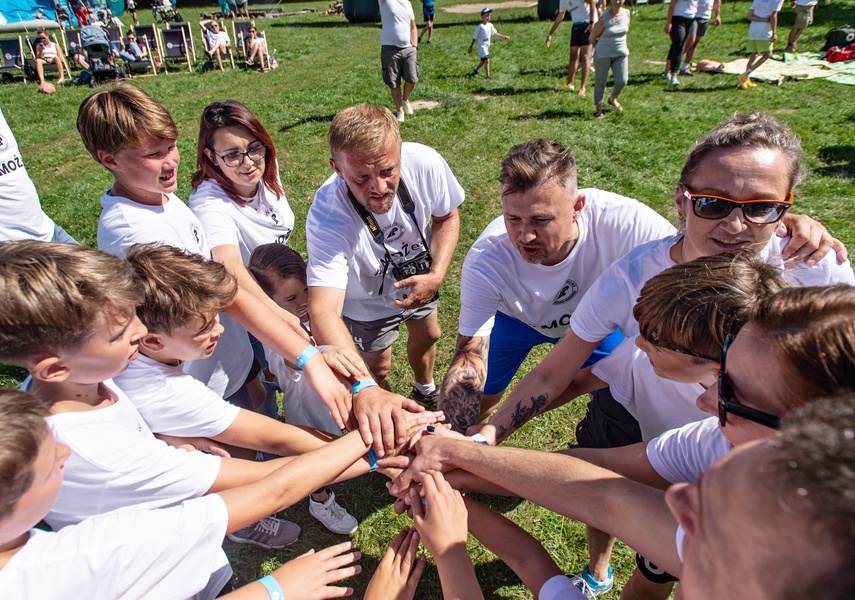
[373,336]
[399,63]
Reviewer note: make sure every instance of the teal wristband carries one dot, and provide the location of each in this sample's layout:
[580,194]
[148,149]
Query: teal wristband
[274,590]
[372,459]
[361,385]
[305,355]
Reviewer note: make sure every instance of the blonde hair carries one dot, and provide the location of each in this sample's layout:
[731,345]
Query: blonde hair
[178,287]
[53,296]
[122,117]
[364,128]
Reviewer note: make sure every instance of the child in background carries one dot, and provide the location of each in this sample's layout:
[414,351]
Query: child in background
[482,35]
[762,34]
[281,272]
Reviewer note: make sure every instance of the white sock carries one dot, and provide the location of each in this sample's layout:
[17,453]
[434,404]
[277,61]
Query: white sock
[425,388]
[685,67]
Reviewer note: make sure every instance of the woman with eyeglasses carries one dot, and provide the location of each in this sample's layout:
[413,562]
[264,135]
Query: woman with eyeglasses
[237,194]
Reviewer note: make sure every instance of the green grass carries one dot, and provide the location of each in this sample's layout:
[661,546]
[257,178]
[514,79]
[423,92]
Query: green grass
[328,64]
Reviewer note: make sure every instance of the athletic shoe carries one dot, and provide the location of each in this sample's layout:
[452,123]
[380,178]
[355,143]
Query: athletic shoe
[568,86]
[749,83]
[590,587]
[666,77]
[408,108]
[333,516]
[743,81]
[674,81]
[400,115]
[269,533]
[686,73]
[429,401]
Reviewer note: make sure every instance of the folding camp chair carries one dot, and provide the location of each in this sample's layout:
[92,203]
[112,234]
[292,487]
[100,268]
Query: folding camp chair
[114,34]
[32,42]
[13,59]
[147,34]
[229,52]
[175,47]
[73,48]
[240,34]
[188,35]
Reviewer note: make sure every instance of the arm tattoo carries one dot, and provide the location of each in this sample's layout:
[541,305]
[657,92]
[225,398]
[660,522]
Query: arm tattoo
[523,413]
[460,395]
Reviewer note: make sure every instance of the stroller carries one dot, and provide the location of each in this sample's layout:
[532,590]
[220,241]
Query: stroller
[102,65]
[163,10]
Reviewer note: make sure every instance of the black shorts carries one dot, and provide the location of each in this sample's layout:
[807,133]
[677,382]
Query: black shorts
[607,424]
[579,36]
[701,26]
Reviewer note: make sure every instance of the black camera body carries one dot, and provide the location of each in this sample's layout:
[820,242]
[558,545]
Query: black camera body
[418,265]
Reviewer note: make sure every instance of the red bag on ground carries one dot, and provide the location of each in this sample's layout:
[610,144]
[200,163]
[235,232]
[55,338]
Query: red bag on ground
[840,53]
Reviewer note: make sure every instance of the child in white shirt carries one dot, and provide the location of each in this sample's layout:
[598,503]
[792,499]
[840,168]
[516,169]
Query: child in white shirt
[483,33]
[762,34]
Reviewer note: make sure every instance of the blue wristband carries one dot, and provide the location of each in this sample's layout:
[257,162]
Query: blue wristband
[361,385]
[372,459]
[305,355]
[274,590]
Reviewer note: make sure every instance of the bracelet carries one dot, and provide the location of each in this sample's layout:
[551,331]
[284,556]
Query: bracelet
[321,348]
[305,355]
[361,385]
[274,590]
[372,459]
[479,439]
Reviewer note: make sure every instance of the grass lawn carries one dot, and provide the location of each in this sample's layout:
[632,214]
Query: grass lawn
[327,64]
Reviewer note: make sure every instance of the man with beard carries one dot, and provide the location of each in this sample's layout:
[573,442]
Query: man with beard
[524,276]
[380,234]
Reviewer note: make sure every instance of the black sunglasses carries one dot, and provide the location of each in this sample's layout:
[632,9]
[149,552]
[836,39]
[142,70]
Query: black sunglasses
[761,212]
[727,399]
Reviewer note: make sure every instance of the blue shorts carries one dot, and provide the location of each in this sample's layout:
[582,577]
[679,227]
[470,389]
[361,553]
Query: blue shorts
[510,342]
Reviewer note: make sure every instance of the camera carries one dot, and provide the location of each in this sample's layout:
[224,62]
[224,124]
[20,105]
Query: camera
[418,265]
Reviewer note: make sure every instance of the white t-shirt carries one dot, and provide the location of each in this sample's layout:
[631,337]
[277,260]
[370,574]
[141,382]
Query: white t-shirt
[705,9]
[560,588]
[396,16]
[683,455]
[170,553]
[807,2]
[116,462]
[174,403]
[300,403]
[265,220]
[658,404]
[221,37]
[686,8]
[124,223]
[762,30]
[608,304]
[482,36]
[342,253]
[21,215]
[577,10]
[496,278]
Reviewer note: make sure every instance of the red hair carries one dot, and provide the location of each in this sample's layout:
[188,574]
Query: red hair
[226,114]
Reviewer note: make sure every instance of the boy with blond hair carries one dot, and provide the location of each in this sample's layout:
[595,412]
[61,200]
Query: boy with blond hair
[183,295]
[166,553]
[134,138]
[67,314]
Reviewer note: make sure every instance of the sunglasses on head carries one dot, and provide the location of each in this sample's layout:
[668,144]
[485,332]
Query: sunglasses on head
[761,212]
[727,402]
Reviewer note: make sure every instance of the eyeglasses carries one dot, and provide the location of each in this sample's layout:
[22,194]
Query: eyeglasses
[235,159]
[653,340]
[762,212]
[727,399]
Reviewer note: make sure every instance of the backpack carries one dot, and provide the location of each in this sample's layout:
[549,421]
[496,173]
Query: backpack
[839,53]
[839,36]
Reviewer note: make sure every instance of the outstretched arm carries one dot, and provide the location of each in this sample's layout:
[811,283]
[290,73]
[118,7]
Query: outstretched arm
[463,385]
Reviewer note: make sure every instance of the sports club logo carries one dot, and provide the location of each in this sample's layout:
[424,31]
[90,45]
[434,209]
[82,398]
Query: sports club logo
[567,292]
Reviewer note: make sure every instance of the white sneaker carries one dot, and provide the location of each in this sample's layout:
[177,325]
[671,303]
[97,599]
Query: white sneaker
[674,80]
[400,115]
[408,108]
[332,516]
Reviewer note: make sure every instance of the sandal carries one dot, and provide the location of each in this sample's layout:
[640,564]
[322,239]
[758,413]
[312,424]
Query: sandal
[616,104]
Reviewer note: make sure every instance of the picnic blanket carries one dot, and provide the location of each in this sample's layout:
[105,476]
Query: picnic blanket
[807,65]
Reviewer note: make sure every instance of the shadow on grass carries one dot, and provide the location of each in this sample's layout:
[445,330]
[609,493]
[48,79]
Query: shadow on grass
[323,25]
[307,120]
[556,72]
[549,115]
[840,161]
[511,91]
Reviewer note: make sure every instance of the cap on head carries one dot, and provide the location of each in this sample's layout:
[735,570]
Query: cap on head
[486,10]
